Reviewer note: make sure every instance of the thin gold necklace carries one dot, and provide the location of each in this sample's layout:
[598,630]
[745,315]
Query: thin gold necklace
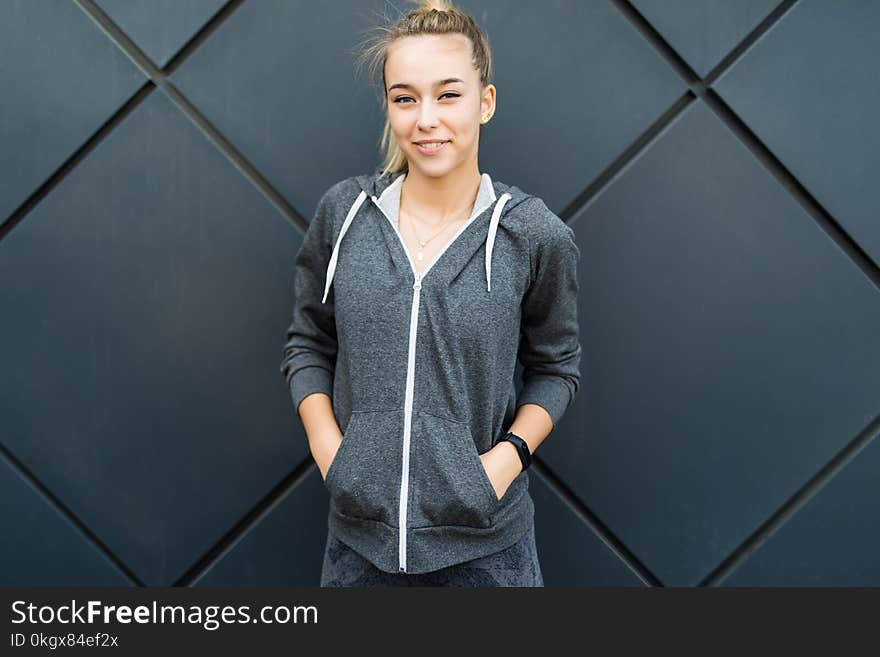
[422,243]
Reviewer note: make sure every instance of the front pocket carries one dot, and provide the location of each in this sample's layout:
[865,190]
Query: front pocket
[364,476]
[450,484]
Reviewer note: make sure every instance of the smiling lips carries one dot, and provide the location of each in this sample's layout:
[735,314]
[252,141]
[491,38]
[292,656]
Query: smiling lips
[430,148]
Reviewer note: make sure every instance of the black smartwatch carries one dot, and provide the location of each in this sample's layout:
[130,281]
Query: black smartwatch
[522,448]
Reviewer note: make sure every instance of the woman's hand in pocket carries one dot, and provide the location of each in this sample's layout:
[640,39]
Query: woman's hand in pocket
[502,465]
[322,430]
[333,443]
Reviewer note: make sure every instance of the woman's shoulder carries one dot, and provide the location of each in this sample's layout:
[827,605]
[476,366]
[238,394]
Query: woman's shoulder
[533,218]
[335,202]
[346,189]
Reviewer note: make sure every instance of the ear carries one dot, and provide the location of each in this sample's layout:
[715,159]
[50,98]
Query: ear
[487,102]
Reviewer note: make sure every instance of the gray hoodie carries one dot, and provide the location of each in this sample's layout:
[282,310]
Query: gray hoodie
[420,367]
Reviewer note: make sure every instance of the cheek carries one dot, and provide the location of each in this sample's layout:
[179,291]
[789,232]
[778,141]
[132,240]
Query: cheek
[465,127]
[401,123]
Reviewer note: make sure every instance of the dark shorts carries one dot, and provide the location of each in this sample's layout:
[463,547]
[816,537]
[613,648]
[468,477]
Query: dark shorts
[516,565]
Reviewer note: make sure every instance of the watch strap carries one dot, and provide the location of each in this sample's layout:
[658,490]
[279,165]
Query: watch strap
[522,448]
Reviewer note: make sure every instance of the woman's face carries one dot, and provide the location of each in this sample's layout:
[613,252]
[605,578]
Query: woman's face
[424,102]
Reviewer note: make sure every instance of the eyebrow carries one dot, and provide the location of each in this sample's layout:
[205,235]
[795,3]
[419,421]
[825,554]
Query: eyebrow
[439,83]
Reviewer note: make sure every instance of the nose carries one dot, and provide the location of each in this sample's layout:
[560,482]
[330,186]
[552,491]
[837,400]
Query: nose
[427,117]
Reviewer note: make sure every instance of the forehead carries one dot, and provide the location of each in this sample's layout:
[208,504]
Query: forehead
[424,59]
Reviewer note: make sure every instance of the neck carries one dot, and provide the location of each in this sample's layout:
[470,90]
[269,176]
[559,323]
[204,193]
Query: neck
[440,199]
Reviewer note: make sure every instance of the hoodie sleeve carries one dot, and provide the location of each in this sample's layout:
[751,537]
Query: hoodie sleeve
[309,355]
[549,348]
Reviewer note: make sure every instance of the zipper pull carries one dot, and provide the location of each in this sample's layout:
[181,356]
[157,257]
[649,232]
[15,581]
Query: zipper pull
[418,283]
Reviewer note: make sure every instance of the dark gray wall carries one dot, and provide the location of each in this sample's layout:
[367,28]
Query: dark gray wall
[159,161]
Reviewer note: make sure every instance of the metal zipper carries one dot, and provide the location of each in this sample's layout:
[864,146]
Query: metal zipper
[407,419]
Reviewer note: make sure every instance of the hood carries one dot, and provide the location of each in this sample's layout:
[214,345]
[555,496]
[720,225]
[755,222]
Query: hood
[504,199]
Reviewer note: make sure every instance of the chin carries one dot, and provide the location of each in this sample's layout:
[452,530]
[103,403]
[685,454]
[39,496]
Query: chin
[438,171]
[433,167]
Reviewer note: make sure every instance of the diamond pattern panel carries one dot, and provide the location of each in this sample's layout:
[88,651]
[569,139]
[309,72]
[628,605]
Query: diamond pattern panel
[832,541]
[160,27]
[704,32]
[286,548]
[730,351]
[61,79]
[571,553]
[44,548]
[280,88]
[140,351]
[809,92]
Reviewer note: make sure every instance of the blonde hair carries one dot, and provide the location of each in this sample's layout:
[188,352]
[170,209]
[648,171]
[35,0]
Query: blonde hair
[430,17]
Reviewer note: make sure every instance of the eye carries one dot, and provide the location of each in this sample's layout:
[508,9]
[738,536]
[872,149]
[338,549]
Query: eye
[400,99]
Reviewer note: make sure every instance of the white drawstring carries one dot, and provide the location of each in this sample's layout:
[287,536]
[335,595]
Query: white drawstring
[490,239]
[331,267]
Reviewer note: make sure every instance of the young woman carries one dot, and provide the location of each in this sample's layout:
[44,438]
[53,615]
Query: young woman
[417,288]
